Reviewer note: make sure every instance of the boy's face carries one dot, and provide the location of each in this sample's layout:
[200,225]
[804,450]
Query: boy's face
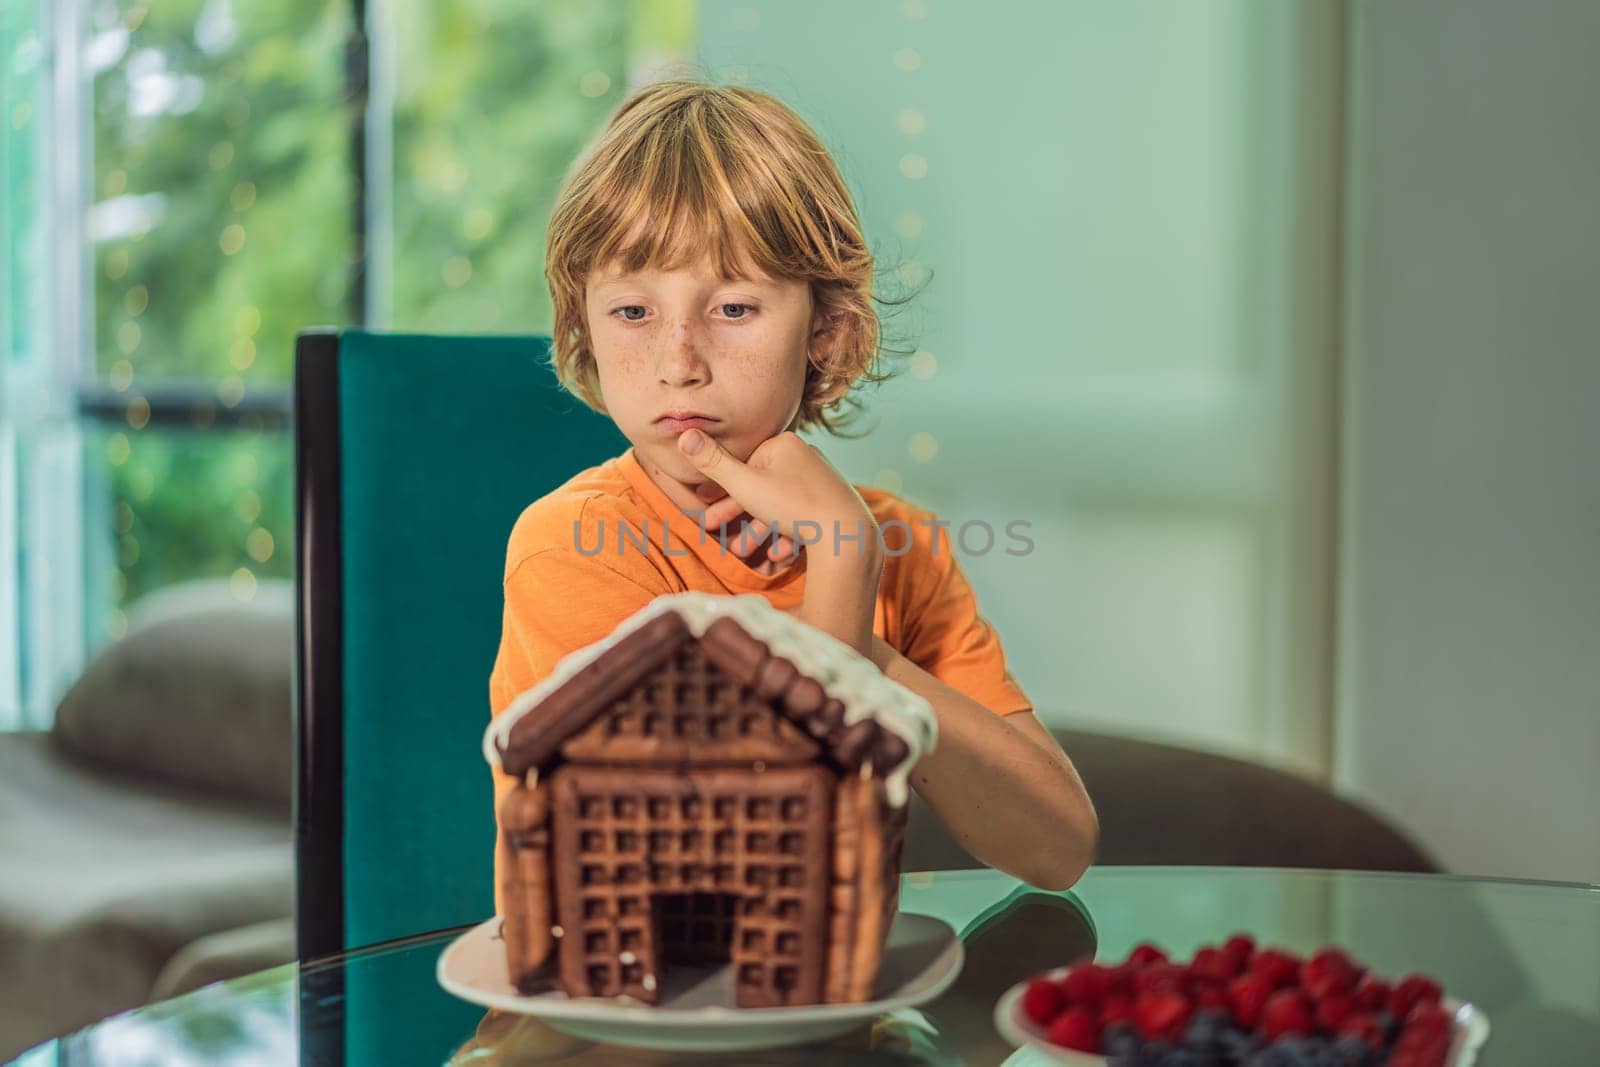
[672,341]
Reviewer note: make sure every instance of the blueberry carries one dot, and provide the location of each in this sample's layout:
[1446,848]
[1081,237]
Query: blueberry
[1322,1055]
[1272,1056]
[1352,1051]
[1183,1057]
[1154,1053]
[1203,1035]
[1291,1053]
[1311,1051]
[1120,1043]
[1238,1044]
[1125,1054]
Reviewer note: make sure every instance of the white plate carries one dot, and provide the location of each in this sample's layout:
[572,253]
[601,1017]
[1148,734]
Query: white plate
[921,958]
[1470,1031]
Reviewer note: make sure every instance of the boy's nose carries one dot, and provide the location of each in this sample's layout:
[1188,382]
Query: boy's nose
[680,361]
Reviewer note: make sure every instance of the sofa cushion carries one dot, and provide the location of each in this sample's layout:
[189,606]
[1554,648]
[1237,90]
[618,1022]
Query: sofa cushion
[107,877]
[197,692]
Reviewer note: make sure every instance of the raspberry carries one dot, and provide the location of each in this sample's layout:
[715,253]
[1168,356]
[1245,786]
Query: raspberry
[1425,1048]
[1239,949]
[1364,1027]
[1329,959]
[1211,965]
[1076,1028]
[1333,1010]
[1160,978]
[1043,1000]
[1247,995]
[1143,955]
[1329,971]
[1087,983]
[1116,1008]
[1372,993]
[1161,1016]
[1412,1058]
[1286,1012]
[1430,1017]
[1412,990]
[1278,967]
[1210,995]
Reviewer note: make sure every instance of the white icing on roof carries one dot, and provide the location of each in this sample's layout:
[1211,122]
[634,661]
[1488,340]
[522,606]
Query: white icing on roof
[842,672]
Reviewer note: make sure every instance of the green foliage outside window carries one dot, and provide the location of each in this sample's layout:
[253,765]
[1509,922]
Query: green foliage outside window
[222,222]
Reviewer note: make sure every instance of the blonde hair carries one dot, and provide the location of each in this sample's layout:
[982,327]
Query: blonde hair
[732,174]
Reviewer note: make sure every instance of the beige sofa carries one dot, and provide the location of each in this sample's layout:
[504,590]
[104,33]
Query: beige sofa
[145,838]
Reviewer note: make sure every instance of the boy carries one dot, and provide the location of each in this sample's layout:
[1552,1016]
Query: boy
[712,295]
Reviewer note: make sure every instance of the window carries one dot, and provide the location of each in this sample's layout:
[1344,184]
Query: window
[217,176]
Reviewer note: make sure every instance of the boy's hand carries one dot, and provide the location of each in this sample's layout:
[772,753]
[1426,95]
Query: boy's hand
[752,535]
[789,487]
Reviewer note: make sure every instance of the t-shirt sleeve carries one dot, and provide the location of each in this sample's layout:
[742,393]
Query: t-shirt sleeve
[555,603]
[944,632]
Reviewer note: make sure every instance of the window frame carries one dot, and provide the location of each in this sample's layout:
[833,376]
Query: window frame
[44,528]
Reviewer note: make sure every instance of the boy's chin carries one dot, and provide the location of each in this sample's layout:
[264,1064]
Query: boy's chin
[665,457]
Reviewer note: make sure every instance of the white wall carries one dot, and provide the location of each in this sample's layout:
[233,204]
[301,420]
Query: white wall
[1468,701]
[1127,342]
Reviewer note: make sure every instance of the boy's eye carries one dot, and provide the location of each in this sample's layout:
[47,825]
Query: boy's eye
[742,313]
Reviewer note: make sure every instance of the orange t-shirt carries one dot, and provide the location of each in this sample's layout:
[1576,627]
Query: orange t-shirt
[559,599]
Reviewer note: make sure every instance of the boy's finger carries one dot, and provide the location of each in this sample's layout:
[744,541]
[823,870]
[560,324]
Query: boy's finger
[746,543]
[718,463]
[718,515]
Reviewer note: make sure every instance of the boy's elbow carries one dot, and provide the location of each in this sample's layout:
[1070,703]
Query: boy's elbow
[1061,867]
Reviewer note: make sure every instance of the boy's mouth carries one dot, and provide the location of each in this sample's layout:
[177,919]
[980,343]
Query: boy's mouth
[675,422]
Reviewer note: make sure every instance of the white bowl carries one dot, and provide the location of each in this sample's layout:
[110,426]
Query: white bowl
[1468,1032]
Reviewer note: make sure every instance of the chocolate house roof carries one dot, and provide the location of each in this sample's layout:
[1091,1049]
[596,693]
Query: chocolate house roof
[819,682]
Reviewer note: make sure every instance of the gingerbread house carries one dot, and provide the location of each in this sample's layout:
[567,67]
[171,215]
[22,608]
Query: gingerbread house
[714,781]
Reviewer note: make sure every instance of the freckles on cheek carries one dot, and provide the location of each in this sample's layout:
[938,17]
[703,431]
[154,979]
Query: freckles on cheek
[630,363]
[622,358]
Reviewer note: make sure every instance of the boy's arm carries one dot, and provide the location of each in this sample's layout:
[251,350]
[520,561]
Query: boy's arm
[841,591]
[996,779]
[1000,783]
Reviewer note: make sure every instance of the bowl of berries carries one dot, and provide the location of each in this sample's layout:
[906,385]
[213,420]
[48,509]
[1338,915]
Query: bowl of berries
[1236,1004]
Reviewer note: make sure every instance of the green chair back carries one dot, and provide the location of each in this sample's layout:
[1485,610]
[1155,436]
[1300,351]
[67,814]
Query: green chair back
[415,455]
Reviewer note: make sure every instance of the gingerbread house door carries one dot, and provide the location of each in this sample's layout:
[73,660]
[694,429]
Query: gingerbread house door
[696,868]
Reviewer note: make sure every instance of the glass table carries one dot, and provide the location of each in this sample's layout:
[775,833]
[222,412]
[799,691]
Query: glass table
[1527,954]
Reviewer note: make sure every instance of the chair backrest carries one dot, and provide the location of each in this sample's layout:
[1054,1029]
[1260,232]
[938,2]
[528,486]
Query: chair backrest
[414,456]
